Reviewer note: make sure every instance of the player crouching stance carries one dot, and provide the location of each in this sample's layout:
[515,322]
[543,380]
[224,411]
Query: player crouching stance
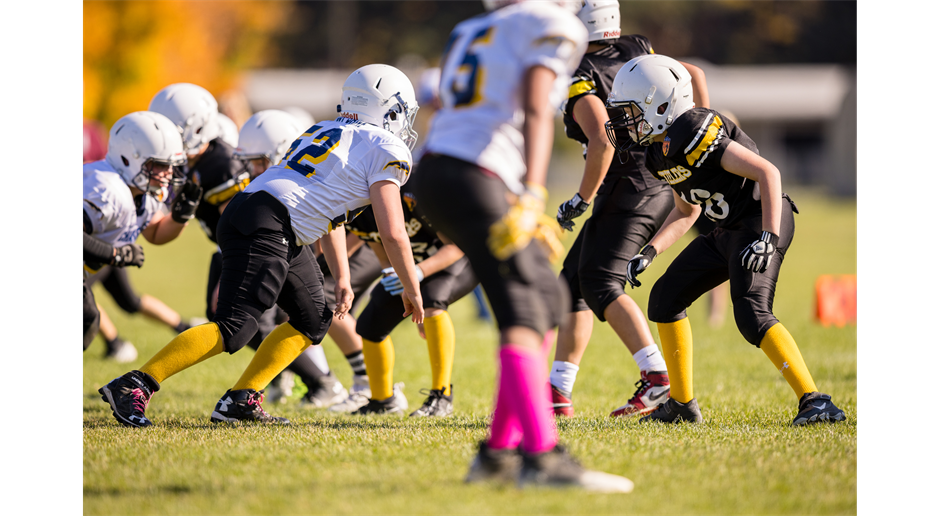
[330,174]
[481,184]
[710,162]
[123,197]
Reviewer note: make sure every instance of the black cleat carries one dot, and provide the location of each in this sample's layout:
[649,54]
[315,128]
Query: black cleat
[499,465]
[436,405]
[243,405]
[674,412]
[816,407]
[380,407]
[556,468]
[129,396]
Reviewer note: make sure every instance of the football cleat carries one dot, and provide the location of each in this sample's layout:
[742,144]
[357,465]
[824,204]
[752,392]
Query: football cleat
[359,395]
[329,393]
[243,405]
[499,465]
[556,468]
[674,412]
[652,390]
[129,396]
[561,402]
[122,352]
[281,388]
[436,404]
[396,404]
[816,407]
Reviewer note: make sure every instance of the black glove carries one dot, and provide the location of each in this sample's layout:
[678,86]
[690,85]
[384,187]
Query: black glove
[130,254]
[570,209]
[186,202]
[756,257]
[639,263]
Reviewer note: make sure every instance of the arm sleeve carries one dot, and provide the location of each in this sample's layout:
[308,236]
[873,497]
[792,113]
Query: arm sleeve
[96,251]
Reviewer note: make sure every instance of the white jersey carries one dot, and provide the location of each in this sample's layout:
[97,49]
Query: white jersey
[481,78]
[110,206]
[325,177]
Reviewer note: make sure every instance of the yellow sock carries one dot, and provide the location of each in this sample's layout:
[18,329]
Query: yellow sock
[782,350]
[380,361]
[276,352]
[676,339]
[439,331]
[186,350]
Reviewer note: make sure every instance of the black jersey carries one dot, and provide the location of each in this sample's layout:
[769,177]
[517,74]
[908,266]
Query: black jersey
[424,240]
[690,161]
[595,76]
[221,177]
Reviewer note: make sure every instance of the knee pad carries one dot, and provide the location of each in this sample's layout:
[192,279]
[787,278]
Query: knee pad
[663,308]
[751,323]
[235,336]
[599,293]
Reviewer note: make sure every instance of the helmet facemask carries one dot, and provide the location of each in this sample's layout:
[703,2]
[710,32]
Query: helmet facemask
[632,120]
[151,171]
[247,167]
[400,119]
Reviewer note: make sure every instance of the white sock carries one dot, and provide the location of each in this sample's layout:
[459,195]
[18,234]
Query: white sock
[563,375]
[316,354]
[650,359]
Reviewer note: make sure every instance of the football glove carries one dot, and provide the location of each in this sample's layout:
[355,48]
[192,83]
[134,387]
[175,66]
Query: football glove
[392,283]
[570,209]
[639,263]
[524,220]
[756,257]
[186,202]
[130,254]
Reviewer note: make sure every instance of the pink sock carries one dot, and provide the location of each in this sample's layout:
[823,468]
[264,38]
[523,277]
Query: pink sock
[547,344]
[521,400]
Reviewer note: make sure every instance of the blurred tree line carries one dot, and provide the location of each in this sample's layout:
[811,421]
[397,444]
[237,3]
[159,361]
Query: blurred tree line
[134,48]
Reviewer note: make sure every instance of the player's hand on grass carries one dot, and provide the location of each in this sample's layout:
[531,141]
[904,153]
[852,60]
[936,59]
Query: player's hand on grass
[639,263]
[126,255]
[571,209]
[757,256]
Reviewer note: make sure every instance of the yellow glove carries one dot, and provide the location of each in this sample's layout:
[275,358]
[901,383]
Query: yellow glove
[524,220]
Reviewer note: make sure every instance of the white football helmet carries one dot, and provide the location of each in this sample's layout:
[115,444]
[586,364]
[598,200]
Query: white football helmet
[571,5]
[602,19]
[383,96]
[651,91]
[139,141]
[267,134]
[194,111]
[302,115]
[228,130]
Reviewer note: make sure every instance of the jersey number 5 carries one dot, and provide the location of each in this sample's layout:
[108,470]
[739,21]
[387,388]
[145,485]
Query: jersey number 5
[470,74]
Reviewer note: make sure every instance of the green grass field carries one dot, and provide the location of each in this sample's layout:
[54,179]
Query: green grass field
[744,459]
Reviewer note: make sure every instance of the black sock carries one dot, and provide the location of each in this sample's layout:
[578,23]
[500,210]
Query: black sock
[357,362]
[182,326]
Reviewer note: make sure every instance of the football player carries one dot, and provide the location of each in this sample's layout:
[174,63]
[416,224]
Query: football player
[211,163]
[712,166]
[482,185]
[122,198]
[445,276]
[262,142]
[331,173]
[629,206]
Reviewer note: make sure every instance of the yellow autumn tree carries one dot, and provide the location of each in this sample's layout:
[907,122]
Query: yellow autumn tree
[133,49]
